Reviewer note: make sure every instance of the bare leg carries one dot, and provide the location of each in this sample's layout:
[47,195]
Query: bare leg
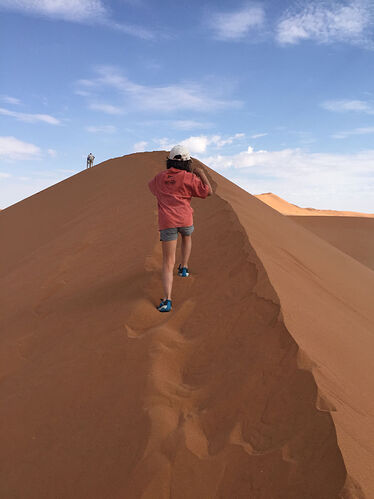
[186,250]
[168,254]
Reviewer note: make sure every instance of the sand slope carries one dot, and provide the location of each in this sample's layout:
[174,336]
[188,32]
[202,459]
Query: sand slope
[287,208]
[350,232]
[353,235]
[259,384]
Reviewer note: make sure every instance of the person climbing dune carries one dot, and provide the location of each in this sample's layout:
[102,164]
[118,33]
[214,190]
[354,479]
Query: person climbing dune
[90,160]
[174,188]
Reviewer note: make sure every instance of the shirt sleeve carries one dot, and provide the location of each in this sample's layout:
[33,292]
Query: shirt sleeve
[152,186]
[199,189]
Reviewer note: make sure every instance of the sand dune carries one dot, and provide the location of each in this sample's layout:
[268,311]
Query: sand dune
[259,384]
[353,235]
[350,232]
[287,208]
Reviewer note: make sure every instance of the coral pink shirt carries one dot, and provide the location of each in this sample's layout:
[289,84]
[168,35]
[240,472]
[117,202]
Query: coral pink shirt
[174,189]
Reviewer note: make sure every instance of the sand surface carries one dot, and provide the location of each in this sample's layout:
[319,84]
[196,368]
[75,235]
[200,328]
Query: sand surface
[259,384]
[287,208]
[350,232]
[352,235]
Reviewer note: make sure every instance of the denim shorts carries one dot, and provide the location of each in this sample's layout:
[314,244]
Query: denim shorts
[172,233]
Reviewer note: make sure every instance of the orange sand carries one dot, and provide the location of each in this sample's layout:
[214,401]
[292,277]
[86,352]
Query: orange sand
[351,232]
[286,208]
[259,384]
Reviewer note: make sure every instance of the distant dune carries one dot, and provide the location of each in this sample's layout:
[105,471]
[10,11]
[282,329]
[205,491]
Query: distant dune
[286,208]
[351,232]
[258,385]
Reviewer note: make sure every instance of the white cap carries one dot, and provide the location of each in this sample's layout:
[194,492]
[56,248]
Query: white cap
[181,151]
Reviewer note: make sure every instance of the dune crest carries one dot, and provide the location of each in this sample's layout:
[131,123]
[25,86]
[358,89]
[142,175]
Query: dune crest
[237,393]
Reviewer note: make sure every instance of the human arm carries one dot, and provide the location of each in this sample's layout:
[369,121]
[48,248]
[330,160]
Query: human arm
[199,172]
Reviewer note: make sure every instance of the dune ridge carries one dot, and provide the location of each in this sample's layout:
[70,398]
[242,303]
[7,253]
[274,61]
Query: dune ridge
[326,300]
[199,398]
[228,396]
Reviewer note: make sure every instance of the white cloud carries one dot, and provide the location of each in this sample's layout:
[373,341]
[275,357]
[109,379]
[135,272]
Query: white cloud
[164,143]
[101,129]
[336,181]
[4,175]
[258,135]
[218,141]
[135,30]
[196,145]
[81,11]
[199,144]
[10,100]
[344,105]
[82,93]
[167,98]
[30,118]
[189,124]
[236,25]
[69,10]
[106,108]
[356,131]
[327,22]
[140,146]
[12,149]
[84,82]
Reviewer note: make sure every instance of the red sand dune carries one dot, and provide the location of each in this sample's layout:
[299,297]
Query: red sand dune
[287,208]
[259,384]
[350,232]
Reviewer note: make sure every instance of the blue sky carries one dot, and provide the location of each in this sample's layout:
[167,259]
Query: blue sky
[276,95]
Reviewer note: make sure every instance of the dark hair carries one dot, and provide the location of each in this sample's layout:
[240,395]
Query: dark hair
[179,164]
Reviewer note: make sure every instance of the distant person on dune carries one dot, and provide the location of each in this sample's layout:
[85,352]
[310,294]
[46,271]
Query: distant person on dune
[174,188]
[90,160]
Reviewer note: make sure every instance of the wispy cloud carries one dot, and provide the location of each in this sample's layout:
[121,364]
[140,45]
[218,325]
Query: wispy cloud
[164,98]
[101,129]
[345,105]
[356,131]
[13,149]
[135,30]
[81,11]
[106,108]
[326,22]
[140,146]
[10,100]
[337,181]
[189,124]
[290,162]
[199,144]
[69,10]
[30,118]
[258,135]
[236,25]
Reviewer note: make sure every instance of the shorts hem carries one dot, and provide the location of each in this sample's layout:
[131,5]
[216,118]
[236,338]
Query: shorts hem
[171,234]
